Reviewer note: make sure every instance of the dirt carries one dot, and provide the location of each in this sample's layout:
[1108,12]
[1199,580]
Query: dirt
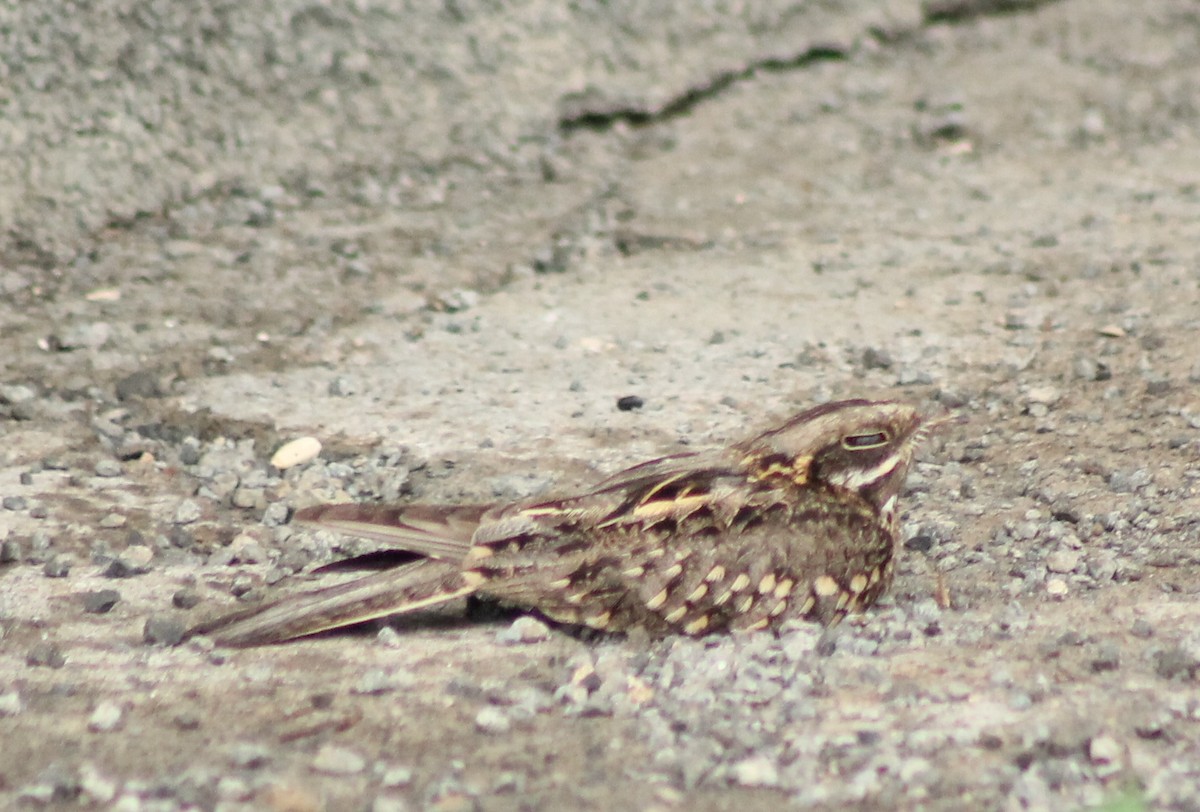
[446,243]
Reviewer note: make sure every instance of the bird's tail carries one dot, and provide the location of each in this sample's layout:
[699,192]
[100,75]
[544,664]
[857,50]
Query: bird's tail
[414,586]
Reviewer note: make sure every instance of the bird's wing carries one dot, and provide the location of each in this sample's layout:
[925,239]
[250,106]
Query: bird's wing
[435,531]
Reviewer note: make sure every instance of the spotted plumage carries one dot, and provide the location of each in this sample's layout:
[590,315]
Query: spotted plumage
[796,522]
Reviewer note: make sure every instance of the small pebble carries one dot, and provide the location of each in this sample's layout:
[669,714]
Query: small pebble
[45,654]
[1141,629]
[334,760]
[10,703]
[189,451]
[275,514]
[185,598]
[187,512]
[58,566]
[343,387]
[296,452]
[396,777]
[106,717]
[525,629]
[108,468]
[14,503]
[1057,588]
[138,554]
[120,567]
[1175,662]
[10,551]
[112,521]
[234,789]
[248,755]
[491,719]
[756,771]
[1106,658]
[163,630]
[630,402]
[1104,750]
[100,601]
[374,682]
[249,498]
[875,358]
[1063,561]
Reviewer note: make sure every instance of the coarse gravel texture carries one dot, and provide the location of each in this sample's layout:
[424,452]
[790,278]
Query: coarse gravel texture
[478,252]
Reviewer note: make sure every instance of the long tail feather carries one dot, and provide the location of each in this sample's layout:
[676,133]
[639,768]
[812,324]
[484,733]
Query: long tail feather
[433,530]
[415,586]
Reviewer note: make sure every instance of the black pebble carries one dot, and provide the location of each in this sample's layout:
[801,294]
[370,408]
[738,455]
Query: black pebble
[186,598]
[921,543]
[629,403]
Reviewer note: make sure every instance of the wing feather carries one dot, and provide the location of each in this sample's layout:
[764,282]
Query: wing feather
[436,531]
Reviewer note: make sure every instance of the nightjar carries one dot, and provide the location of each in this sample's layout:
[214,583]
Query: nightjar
[796,522]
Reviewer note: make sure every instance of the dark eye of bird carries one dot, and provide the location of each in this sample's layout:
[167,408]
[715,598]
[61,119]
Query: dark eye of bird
[859,442]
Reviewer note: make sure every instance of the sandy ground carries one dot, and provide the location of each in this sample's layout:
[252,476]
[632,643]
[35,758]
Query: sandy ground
[446,243]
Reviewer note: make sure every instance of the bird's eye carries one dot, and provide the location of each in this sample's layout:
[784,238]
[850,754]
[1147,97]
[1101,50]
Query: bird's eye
[860,442]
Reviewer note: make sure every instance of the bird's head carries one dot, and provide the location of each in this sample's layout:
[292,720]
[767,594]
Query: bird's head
[863,446]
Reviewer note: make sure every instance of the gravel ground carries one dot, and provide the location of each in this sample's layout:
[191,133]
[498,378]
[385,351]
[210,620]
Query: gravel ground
[481,255]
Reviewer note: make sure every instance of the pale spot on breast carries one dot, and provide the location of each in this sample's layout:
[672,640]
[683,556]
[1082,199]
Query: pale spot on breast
[826,587]
[715,574]
[599,621]
[745,604]
[808,605]
[696,626]
[698,593]
[842,602]
[779,609]
[858,583]
[675,615]
[767,584]
[784,588]
[876,575]
[758,624]
[672,571]
[561,583]
[634,572]
[658,600]
[740,583]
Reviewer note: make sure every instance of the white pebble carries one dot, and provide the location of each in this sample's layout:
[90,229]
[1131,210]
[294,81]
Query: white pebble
[492,720]
[10,703]
[756,771]
[295,452]
[1104,750]
[1063,561]
[105,717]
[333,760]
[1057,588]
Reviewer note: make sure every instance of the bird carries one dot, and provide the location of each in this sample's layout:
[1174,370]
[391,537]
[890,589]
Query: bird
[798,521]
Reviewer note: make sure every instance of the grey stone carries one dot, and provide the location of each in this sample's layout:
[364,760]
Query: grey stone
[163,630]
[100,601]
